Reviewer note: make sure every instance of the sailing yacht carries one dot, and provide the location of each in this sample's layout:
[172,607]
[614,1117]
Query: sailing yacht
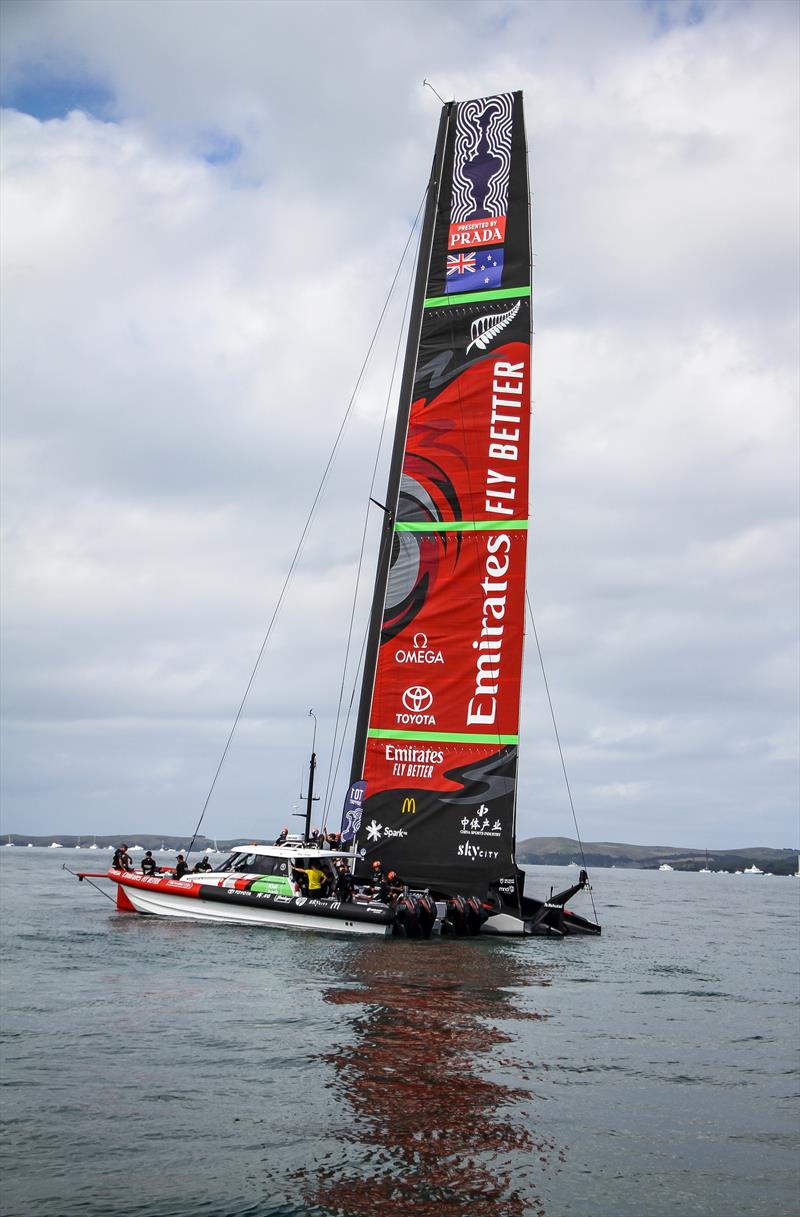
[434,776]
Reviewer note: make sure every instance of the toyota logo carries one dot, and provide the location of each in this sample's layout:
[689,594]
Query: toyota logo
[417,699]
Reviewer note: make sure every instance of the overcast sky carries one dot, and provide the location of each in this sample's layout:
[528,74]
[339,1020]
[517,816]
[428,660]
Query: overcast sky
[203,207]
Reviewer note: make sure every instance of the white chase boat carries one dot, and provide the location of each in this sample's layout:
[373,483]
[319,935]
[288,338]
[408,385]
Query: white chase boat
[434,779]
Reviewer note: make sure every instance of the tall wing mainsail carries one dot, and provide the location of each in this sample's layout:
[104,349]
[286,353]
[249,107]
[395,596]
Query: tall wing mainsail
[439,719]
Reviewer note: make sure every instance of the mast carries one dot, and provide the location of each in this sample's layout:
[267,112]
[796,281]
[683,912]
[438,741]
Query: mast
[310,799]
[312,765]
[400,431]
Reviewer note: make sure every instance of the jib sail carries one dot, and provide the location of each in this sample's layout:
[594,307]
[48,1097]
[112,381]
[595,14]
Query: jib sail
[438,726]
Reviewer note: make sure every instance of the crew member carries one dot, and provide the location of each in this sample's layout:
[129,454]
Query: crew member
[313,879]
[148,863]
[344,881]
[122,859]
[281,838]
[181,867]
[203,865]
[376,878]
[391,887]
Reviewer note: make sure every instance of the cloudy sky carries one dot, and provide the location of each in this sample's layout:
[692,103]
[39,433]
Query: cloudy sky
[203,207]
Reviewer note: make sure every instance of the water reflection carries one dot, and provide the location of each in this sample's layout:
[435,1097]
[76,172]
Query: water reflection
[433,1128]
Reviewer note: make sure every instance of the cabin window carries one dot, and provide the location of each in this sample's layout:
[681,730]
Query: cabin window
[255,864]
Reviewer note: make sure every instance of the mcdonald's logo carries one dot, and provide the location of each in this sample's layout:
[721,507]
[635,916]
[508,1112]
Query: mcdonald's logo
[409,807]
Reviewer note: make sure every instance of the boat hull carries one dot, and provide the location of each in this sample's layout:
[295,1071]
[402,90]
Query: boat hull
[545,922]
[195,901]
[229,897]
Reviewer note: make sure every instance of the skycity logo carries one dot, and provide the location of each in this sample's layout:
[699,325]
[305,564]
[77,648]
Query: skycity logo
[421,653]
[417,700]
[468,850]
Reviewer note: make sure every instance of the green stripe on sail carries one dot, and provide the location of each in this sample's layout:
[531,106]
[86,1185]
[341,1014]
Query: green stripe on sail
[443,737]
[459,525]
[507,293]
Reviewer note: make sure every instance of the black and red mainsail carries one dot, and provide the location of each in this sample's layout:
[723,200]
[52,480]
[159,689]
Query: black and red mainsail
[438,730]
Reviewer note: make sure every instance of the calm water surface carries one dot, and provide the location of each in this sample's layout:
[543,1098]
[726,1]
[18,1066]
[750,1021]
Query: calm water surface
[167,1069]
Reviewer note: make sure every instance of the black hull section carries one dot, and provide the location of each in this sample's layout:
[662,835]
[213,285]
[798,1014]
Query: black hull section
[374,913]
[550,919]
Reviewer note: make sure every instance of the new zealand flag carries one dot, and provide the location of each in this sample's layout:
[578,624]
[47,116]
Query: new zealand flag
[478,271]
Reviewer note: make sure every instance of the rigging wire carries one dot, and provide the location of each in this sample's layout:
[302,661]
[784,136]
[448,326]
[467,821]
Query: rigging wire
[301,543]
[558,742]
[430,86]
[347,716]
[331,778]
[85,878]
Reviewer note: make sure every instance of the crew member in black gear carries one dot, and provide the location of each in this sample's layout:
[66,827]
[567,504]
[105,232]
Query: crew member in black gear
[396,885]
[344,882]
[390,887]
[122,859]
[181,867]
[279,840]
[148,863]
[203,865]
[375,880]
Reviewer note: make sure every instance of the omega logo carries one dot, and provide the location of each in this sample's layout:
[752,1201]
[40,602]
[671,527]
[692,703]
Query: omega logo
[421,652]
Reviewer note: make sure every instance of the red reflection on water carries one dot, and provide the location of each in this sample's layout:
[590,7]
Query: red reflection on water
[433,1132]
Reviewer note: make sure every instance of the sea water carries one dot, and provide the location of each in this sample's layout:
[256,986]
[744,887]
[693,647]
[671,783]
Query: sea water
[170,1069]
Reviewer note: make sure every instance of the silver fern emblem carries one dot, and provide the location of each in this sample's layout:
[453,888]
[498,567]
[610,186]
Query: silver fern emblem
[485,329]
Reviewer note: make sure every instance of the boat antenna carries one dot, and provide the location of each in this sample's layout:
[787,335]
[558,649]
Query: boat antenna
[558,742]
[312,766]
[430,86]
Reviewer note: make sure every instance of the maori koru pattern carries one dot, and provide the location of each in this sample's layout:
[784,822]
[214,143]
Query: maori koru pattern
[482,158]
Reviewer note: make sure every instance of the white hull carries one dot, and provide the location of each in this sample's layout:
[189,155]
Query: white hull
[161,904]
[503,923]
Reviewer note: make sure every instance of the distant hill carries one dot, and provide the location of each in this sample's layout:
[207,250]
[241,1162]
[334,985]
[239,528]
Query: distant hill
[534,851]
[145,839]
[560,851]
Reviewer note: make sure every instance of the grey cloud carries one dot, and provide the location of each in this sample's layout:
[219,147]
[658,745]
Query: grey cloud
[181,339]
